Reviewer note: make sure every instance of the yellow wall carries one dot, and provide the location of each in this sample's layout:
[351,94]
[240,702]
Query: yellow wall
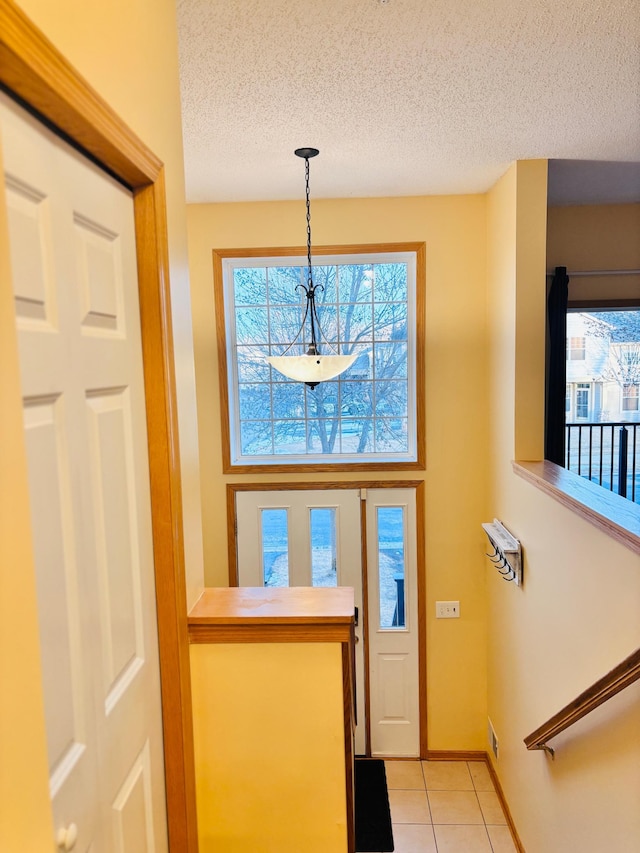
[269,747]
[531,211]
[596,237]
[453,229]
[128,52]
[127,49]
[577,614]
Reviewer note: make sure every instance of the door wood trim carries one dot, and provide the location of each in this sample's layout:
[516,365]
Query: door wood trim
[35,72]
[365,627]
[419,486]
[422,617]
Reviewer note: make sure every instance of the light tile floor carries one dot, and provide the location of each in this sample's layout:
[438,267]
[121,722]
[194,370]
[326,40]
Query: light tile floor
[446,807]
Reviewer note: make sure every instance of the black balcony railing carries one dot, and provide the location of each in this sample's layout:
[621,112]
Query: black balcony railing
[606,453]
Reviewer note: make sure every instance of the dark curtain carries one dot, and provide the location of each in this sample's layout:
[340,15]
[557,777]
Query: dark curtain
[557,376]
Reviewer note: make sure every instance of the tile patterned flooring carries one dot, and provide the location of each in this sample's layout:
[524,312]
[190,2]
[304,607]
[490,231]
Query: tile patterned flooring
[446,807]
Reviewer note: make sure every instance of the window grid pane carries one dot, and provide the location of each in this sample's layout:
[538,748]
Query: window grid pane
[576,349]
[366,413]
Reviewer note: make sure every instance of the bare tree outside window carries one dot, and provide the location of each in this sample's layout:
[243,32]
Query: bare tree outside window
[367,305]
[625,367]
[622,367]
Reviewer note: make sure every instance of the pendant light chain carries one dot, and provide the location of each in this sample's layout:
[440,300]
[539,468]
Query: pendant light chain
[306,179]
[311,300]
[312,367]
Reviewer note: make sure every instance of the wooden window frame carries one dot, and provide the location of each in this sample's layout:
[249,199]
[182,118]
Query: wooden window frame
[228,467]
[39,77]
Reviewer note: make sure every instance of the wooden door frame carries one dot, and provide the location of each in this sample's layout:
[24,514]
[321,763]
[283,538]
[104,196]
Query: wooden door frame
[42,80]
[418,485]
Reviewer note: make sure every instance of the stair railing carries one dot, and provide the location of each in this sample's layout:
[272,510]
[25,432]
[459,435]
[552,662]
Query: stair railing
[620,677]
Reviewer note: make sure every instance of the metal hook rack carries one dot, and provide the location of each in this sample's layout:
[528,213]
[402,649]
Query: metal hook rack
[507,551]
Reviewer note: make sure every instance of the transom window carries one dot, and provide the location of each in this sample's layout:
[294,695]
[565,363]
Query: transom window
[368,302]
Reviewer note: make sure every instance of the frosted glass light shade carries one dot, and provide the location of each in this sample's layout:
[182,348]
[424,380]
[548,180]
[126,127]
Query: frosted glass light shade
[311,368]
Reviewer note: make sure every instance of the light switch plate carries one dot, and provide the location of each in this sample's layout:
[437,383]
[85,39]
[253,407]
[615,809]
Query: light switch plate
[447,609]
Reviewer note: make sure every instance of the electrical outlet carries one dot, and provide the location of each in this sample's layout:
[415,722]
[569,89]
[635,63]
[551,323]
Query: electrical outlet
[447,609]
[493,739]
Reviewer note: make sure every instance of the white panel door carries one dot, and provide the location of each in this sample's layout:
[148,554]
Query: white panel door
[72,243]
[393,622]
[305,538]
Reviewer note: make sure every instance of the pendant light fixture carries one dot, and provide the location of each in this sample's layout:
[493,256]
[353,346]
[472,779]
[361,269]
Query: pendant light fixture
[312,367]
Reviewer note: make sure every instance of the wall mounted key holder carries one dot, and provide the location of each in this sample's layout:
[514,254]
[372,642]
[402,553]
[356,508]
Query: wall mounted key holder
[507,551]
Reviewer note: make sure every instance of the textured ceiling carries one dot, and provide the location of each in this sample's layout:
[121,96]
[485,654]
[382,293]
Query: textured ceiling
[402,97]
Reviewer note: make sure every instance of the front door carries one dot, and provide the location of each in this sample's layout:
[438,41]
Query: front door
[583,401]
[73,262]
[394,708]
[314,537]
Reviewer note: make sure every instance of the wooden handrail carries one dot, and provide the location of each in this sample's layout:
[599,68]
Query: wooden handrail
[620,677]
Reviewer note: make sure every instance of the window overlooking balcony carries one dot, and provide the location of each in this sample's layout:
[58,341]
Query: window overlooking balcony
[602,402]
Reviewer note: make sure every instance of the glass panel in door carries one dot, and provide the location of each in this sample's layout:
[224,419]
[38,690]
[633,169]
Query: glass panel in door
[274,539]
[391,568]
[394,707]
[322,524]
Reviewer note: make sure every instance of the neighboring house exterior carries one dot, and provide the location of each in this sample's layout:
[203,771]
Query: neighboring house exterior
[603,368]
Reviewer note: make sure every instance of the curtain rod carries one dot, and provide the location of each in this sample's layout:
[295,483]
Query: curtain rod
[586,273]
